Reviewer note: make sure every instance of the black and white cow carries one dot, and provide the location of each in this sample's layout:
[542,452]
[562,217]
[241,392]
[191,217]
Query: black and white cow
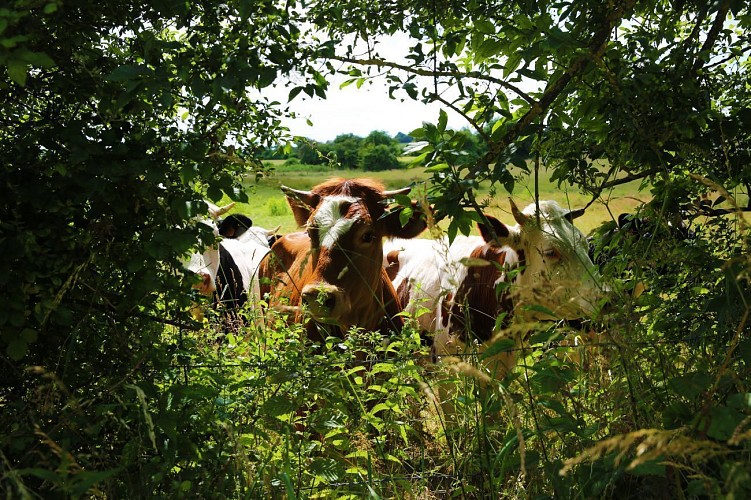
[228,269]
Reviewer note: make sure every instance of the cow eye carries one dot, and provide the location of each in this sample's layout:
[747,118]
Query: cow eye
[368,237]
[551,253]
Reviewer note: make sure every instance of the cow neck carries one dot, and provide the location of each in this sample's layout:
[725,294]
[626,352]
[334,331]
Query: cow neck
[375,308]
[476,306]
[230,289]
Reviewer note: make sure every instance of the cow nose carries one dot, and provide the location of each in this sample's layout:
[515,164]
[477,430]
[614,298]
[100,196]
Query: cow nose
[324,300]
[320,300]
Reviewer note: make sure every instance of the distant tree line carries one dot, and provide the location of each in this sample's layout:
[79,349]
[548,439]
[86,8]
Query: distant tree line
[377,151]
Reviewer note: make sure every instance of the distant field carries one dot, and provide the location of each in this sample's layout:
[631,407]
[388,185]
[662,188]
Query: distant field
[268,207]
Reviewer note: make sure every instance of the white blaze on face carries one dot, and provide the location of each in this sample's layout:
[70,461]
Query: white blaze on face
[330,220]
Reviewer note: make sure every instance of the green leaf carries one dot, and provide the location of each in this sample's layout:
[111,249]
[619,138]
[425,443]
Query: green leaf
[443,119]
[326,468]
[404,215]
[28,335]
[288,486]
[540,309]
[723,422]
[691,385]
[214,193]
[86,479]
[484,26]
[127,72]
[277,406]
[499,346]
[17,71]
[44,474]
[440,167]
[489,47]
[293,93]
[36,59]
[16,349]
[513,62]
[740,401]
[474,262]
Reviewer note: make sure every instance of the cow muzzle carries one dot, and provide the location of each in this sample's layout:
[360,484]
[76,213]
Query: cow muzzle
[325,303]
[206,286]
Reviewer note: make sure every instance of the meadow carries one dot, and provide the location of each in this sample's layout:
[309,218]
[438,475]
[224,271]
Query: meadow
[646,398]
[268,206]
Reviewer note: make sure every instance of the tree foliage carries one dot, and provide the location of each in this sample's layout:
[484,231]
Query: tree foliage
[378,157]
[650,88]
[118,119]
[603,93]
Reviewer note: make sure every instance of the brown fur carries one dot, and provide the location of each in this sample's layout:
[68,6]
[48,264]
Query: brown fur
[476,304]
[393,264]
[352,267]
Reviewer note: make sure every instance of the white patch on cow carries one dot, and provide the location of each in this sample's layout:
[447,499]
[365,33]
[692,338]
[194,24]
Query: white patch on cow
[330,221]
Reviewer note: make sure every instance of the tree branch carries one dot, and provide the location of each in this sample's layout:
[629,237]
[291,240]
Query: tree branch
[714,32]
[629,178]
[596,48]
[472,122]
[622,180]
[381,63]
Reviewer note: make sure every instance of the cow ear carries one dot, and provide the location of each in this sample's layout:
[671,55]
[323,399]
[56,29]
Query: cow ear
[494,226]
[396,228]
[573,214]
[302,203]
[234,225]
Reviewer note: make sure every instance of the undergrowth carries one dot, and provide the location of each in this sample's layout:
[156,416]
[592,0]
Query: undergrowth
[651,400]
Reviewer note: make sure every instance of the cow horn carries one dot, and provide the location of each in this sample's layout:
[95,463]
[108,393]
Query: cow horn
[396,192]
[297,192]
[573,214]
[305,197]
[217,211]
[518,215]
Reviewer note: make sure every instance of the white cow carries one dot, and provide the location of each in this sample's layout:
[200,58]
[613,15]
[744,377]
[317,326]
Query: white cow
[467,290]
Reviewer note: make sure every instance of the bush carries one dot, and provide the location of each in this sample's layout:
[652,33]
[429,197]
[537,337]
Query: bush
[380,157]
[277,207]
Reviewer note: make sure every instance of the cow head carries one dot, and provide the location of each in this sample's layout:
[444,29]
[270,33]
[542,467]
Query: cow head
[555,272]
[234,227]
[346,221]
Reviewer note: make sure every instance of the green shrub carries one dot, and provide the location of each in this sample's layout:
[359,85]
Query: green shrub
[277,207]
[378,157]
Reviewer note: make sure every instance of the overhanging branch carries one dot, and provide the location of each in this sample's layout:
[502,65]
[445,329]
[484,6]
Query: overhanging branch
[596,48]
[714,32]
[382,63]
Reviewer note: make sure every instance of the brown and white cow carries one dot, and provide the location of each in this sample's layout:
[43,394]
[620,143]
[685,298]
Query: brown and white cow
[333,269]
[466,291]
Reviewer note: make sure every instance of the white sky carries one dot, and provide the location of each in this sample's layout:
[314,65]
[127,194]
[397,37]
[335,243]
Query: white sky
[361,111]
